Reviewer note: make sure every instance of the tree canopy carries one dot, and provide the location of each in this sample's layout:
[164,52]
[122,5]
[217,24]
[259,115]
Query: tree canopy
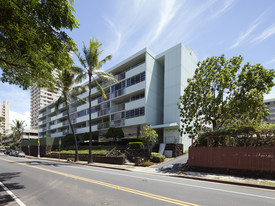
[33,41]
[222,93]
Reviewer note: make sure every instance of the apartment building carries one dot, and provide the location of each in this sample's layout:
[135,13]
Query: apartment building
[270,104]
[5,112]
[40,97]
[147,93]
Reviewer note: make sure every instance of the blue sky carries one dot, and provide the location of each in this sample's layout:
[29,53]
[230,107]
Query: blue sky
[210,28]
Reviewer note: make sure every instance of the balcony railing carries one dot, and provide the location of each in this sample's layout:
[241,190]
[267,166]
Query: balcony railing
[117,108]
[103,125]
[117,123]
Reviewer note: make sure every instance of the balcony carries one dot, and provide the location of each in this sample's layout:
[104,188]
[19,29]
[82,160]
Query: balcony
[117,108]
[118,123]
[135,70]
[103,125]
[135,104]
[82,130]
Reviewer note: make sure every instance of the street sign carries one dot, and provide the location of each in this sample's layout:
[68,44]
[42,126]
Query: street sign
[59,142]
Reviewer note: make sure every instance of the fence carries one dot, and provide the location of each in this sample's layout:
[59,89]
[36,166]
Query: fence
[240,158]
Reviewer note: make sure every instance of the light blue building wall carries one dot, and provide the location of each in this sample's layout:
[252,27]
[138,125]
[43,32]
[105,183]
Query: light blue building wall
[147,93]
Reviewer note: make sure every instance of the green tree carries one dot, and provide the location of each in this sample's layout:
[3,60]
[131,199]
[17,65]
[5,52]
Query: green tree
[65,81]
[91,63]
[33,41]
[17,129]
[148,135]
[224,92]
[115,132]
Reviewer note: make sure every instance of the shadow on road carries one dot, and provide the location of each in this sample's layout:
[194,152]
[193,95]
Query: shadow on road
[5,198]
[56,164]
[172,169]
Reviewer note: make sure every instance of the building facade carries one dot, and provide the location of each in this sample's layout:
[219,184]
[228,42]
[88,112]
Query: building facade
[270,104]
[40,97]
[147,93]
[5,113]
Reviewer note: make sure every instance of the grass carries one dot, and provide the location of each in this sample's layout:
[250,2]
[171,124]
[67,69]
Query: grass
[96,150]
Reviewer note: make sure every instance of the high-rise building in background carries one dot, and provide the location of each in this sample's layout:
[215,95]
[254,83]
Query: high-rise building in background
[40,97]
[5,112]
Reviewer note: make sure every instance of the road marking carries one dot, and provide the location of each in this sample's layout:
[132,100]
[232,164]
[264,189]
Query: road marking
[185,184]
[19,202]
[117,187]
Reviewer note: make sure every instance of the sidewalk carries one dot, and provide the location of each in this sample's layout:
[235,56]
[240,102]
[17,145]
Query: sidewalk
[171,170]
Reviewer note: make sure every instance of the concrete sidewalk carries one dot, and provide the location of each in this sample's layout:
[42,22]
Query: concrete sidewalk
[164,169]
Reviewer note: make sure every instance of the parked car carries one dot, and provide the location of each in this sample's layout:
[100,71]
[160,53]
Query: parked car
[12,152]
[2,149]
[20,154]
[8,151]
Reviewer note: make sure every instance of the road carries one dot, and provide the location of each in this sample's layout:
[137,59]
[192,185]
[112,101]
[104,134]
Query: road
[40,182]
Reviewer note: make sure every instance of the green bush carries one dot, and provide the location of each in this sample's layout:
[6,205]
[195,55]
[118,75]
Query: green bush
[157,158]
[136,145]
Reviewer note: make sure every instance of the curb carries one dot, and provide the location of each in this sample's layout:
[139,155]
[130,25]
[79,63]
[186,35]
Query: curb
[77,163]
[178,176]
[225,182]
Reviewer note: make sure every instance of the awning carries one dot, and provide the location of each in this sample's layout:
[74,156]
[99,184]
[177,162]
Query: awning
[167,125]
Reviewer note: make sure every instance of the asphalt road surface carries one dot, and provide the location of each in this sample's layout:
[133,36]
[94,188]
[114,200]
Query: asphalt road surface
[38,182]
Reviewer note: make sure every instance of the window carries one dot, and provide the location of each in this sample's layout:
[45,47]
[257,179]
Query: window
[136,79]
[135,113]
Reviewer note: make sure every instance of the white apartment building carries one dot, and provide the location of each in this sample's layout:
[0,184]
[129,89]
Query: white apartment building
[270,104]
[147,93]
[5,112]
[40,97]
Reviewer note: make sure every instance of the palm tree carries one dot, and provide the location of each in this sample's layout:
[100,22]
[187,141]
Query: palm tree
[65,81]
[91,63]
[17,129]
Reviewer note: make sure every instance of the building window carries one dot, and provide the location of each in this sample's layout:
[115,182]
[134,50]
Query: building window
[135,113]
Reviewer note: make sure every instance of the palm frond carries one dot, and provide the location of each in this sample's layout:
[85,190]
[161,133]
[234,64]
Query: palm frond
[103,61]
[101,91]
[105,76]
[56,104]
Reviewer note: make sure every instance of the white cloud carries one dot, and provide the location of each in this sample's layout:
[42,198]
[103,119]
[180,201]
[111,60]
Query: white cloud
[244,36]
[20,116]
[167,11]
[226,6]
[115,45]
[271,61]
[265,34]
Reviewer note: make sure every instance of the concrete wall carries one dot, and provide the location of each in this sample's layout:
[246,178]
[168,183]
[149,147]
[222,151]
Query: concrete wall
[154,91]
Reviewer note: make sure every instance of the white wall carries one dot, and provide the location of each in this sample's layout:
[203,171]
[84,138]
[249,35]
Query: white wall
[154,91]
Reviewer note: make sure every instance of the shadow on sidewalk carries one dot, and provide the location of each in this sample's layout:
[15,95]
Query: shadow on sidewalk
[5,198]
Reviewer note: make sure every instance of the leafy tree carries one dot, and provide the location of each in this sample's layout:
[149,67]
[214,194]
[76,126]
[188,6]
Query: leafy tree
[65,81]
[33,41]
[223,92]
[115,132]
[148,135]
[91,63]
[17,129]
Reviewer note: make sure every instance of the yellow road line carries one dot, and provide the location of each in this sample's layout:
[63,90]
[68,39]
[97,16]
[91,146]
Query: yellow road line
[125,189]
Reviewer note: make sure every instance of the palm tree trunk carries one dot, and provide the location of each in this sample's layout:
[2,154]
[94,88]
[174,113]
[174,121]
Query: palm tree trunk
[70,123]
[90,158]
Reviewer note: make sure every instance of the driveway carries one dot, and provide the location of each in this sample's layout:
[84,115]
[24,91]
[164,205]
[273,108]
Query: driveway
[173,164]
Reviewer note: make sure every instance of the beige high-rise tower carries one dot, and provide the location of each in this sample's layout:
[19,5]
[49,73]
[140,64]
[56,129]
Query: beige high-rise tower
[40,97]
[5,112]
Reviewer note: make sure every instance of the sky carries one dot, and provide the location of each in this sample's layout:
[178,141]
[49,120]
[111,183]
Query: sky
[208,27]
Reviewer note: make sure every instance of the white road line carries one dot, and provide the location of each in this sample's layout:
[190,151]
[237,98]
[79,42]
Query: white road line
[19,202]
[184,184]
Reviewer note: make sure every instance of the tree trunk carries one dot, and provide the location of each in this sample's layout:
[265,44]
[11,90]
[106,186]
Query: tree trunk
[70,123]
[90,157]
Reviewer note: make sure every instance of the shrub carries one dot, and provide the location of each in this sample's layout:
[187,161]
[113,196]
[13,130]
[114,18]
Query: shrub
[157,158]
[145,164]
[136,145]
